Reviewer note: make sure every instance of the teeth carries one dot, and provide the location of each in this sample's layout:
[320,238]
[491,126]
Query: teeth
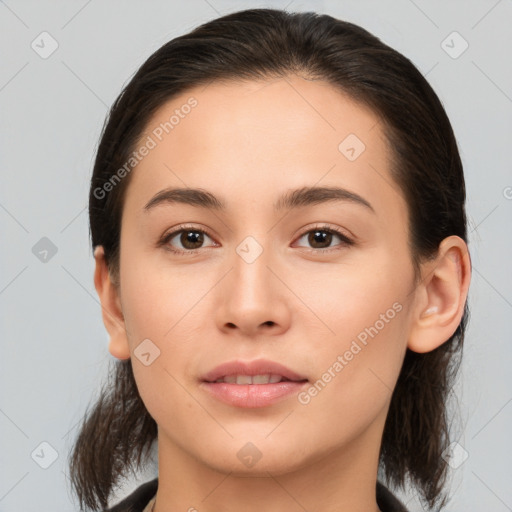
[251,379]
[262,379]
[244,379]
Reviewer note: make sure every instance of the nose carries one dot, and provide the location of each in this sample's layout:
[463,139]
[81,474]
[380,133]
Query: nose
[254,299]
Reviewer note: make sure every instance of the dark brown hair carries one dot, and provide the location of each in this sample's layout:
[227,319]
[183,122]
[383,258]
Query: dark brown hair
[117,433]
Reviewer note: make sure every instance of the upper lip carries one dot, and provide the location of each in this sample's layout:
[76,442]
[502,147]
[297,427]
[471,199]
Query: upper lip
[258,367]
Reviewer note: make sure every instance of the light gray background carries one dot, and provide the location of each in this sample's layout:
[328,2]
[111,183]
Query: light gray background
[54,345]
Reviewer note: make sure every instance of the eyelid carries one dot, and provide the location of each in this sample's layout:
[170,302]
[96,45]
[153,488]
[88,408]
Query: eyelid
[168,235]
[346,239]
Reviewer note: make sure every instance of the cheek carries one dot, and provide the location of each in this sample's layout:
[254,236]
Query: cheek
[364,313]
[350,297]
[161,321]
[355,374]
[158,313]
[155,299]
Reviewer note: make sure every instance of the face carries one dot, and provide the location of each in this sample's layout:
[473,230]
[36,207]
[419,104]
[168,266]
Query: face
[322,284]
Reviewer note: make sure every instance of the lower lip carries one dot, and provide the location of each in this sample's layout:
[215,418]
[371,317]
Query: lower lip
[252,395]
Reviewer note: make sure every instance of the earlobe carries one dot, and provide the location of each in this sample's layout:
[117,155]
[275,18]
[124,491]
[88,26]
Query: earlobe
[442,296]
[110,307]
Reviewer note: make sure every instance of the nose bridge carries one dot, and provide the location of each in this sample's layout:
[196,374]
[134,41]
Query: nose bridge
[251,293]
[251,273]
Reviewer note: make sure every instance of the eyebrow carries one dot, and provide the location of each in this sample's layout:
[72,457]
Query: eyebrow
[293,199]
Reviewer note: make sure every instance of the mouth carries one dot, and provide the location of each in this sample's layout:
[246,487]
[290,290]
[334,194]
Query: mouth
[261,371]
[253,379]
[255,384]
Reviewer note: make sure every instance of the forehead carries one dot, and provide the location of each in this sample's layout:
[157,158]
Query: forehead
[264,135]
[310,109]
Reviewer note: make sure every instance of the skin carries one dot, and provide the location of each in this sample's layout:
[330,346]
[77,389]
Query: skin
[247,143]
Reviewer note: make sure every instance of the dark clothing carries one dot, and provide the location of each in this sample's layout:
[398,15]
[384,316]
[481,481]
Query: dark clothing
[139,498]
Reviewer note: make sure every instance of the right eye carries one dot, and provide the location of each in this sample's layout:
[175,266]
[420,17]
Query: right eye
[190,239]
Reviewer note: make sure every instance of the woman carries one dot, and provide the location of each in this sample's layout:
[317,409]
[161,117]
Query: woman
[277,214]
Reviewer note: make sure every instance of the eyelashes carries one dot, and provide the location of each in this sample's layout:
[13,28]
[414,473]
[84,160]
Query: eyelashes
[345,240]
[184,229]
[317,234]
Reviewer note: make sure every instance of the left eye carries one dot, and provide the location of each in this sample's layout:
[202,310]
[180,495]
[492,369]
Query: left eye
[324,237]
[190,239]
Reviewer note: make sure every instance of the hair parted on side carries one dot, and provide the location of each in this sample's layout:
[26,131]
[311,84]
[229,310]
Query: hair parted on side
[118,431]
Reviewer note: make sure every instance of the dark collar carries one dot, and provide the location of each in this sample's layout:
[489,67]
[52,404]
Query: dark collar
[387,501]
[139,498]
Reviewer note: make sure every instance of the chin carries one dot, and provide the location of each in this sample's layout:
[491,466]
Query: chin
[257,457]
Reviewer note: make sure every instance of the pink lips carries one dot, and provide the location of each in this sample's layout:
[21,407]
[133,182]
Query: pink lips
[252,395]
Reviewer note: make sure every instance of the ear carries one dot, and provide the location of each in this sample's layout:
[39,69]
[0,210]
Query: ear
[111,309]
[441,296]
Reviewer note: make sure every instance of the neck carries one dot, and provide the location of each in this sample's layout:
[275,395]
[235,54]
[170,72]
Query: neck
[339,480]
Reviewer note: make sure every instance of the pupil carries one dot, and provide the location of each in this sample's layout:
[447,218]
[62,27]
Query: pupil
[320,236]
[191,237]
